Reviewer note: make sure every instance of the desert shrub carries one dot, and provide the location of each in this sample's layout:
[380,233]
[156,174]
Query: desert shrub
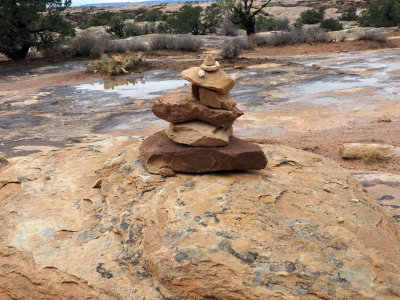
[350,15]
[186,20]
[153,15]
[331,25]
[32,24]
[115,65]
[131,29]
[309,35]
[172,42]
[298,24]
[89,45]
[232,48]
[371,156]
[282,24]
[228,28]
[264,23]
[99,20]
[211,18]
[381,13]
[372,36]
[115,26]
[312,16]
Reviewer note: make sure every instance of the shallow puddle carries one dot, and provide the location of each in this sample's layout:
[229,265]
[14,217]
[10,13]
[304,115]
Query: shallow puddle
[136,88]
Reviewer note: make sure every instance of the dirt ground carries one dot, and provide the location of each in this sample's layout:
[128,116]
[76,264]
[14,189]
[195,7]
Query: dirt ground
[323,142]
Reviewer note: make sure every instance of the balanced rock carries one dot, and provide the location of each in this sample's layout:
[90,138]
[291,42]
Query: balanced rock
[218,81]
[210,65]
[209,61]
[198,133]
[184,107]
[158,151]
[216,100]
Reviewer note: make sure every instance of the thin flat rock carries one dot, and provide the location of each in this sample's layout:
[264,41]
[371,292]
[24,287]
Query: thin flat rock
[184,107]
[218,81]
[158,151]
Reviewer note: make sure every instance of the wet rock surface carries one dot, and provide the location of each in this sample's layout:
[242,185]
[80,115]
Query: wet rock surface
[355,86]
[289,231]
[384,187]
[159,151]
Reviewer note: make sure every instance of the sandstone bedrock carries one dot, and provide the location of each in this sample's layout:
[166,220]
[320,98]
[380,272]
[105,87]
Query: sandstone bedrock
[268,234]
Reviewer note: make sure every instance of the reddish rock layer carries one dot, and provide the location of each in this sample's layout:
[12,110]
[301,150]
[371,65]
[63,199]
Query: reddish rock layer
[158,152]
[181,108]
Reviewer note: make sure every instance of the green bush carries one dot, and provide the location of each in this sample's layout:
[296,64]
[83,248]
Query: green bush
[331,25]
[115,26]
[131,29]
[153,15]
[349,15]
[99,20]
[298,24]
[232,48]
[269,23]
[32,23]
[115,65]
[381,13]
[264,23]
[312,16]
[186,20]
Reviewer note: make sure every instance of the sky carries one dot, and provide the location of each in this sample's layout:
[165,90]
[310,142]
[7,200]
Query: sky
[83,2]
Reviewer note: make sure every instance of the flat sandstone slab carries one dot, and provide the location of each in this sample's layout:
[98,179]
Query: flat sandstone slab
[218,81]
[158,151]
[184,107]
[198,133]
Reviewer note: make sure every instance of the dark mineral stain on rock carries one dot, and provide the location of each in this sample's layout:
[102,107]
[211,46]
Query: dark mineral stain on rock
[103,272]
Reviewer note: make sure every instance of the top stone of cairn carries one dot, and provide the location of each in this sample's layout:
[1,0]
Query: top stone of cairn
[210,77]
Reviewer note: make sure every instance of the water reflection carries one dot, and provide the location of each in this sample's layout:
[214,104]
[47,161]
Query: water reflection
[112,84]
[138,87]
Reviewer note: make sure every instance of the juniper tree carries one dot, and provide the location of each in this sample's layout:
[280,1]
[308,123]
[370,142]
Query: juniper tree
[31,23]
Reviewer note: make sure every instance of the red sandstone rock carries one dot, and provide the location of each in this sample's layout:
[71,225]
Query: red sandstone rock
[158,151]
[181,108]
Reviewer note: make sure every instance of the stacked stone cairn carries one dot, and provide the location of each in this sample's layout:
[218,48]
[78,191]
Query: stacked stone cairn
[199,138]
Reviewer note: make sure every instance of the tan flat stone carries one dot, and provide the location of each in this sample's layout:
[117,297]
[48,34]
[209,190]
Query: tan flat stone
[197,133]
[209,61]
[212,68]
[218,81]
[216,100]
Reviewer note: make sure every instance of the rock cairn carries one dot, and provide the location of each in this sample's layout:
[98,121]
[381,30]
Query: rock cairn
[199,138]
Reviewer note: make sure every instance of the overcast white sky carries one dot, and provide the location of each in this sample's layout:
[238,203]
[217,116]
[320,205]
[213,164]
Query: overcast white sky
[83,2]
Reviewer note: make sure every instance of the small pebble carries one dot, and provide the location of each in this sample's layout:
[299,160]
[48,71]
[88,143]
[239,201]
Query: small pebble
[201,73]
[355,200]
[47,177]
[326,189]
[340,220]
